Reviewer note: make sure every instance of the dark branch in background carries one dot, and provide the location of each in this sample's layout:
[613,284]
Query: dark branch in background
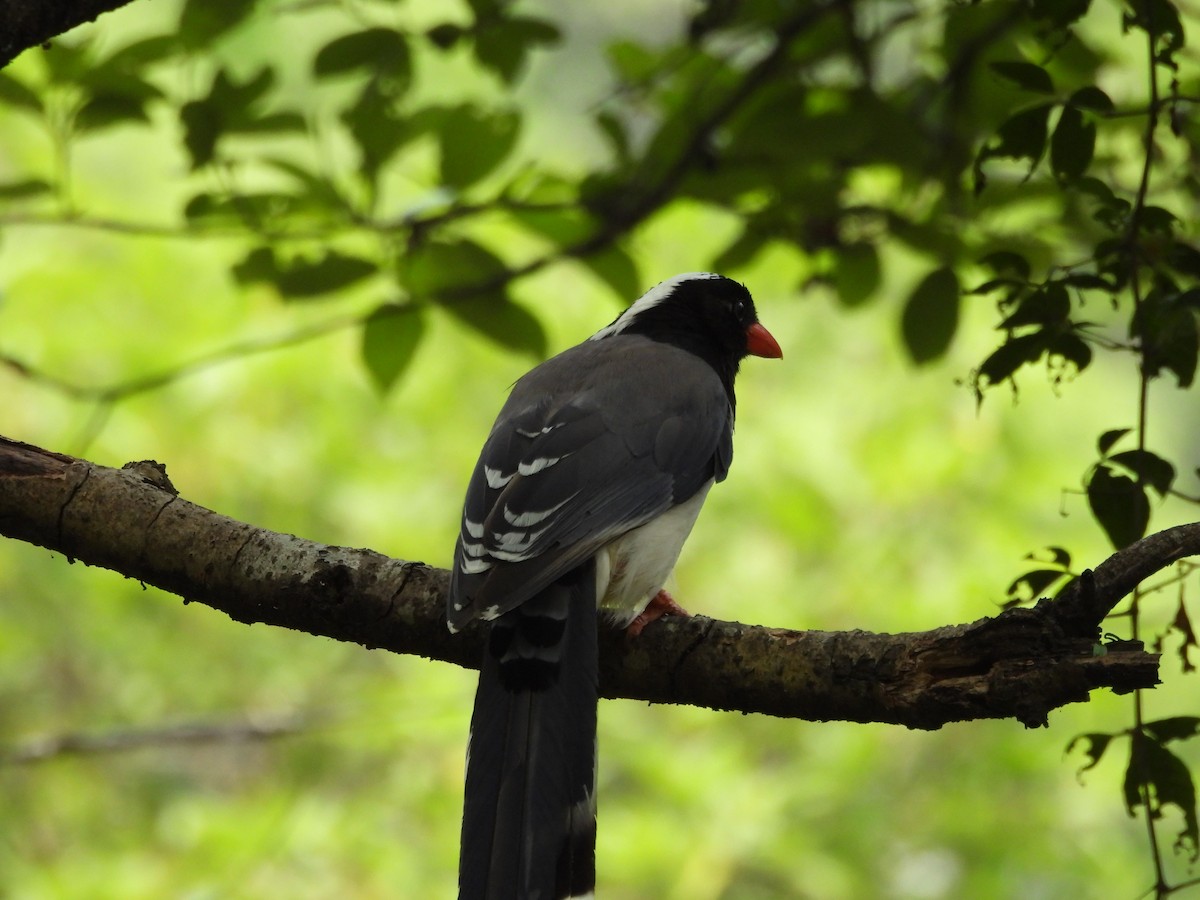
[89,744]
[1020,664]
[27,23]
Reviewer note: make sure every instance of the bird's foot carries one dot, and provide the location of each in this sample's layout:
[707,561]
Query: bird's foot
[661,604]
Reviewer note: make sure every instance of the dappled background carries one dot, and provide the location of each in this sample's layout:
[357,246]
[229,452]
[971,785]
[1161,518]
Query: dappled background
[161,297]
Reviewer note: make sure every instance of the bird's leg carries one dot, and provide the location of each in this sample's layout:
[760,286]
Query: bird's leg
[661,604]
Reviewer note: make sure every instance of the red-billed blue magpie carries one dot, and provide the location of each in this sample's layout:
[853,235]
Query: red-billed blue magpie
[587,487]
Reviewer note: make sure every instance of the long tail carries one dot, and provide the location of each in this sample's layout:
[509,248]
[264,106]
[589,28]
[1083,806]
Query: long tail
[529,817]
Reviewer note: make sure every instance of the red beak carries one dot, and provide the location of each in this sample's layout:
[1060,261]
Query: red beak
[759,342]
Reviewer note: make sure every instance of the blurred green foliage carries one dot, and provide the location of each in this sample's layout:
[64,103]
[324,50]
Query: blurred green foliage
[297,251]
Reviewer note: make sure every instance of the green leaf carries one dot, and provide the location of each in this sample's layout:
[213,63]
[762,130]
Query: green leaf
[104,110]
[930,316]
[1153,469]
[1166,327]
[1070,347]
[617,269]
[377,128]
[1091,97]
[381,52]
[452,269]
[1059,13]
[496,318]
[1025,75]
[856,273]
[503,45]
[1021,136]
[201,130]
[1119,505]
[20,190]
[391,335]
[16,93]
[474,142]
[203,21]
[329,273]
[1072,146]
[303,278]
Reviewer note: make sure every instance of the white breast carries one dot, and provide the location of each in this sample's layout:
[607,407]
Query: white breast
[634,567]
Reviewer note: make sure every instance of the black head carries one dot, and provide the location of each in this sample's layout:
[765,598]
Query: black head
[709,315]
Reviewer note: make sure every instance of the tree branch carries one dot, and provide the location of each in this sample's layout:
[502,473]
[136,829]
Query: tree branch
[27,23]
[1020,664]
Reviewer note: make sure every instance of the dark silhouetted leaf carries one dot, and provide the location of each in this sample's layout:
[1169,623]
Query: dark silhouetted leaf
[1175,728]
[1119,505]
[1166,325]
[856,273]
[1092,98]
[258,266]
[1109,438]
[1025,75]
[474,142]
[1156,778]
[1184,258]
[1153,469]
[1183,624]
[1011,355]
[1033,584]
[1005,262]
[1073,144]
[1048,305]
[1096,745]
[1070,347]
[930,316]
[1021,136]
[391,335]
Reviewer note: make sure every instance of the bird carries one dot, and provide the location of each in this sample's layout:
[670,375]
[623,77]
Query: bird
[584,492]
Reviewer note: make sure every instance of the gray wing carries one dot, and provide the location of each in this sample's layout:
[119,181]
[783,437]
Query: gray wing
[591,444]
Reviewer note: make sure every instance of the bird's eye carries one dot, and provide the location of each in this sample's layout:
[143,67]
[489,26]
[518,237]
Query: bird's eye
[739,308]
